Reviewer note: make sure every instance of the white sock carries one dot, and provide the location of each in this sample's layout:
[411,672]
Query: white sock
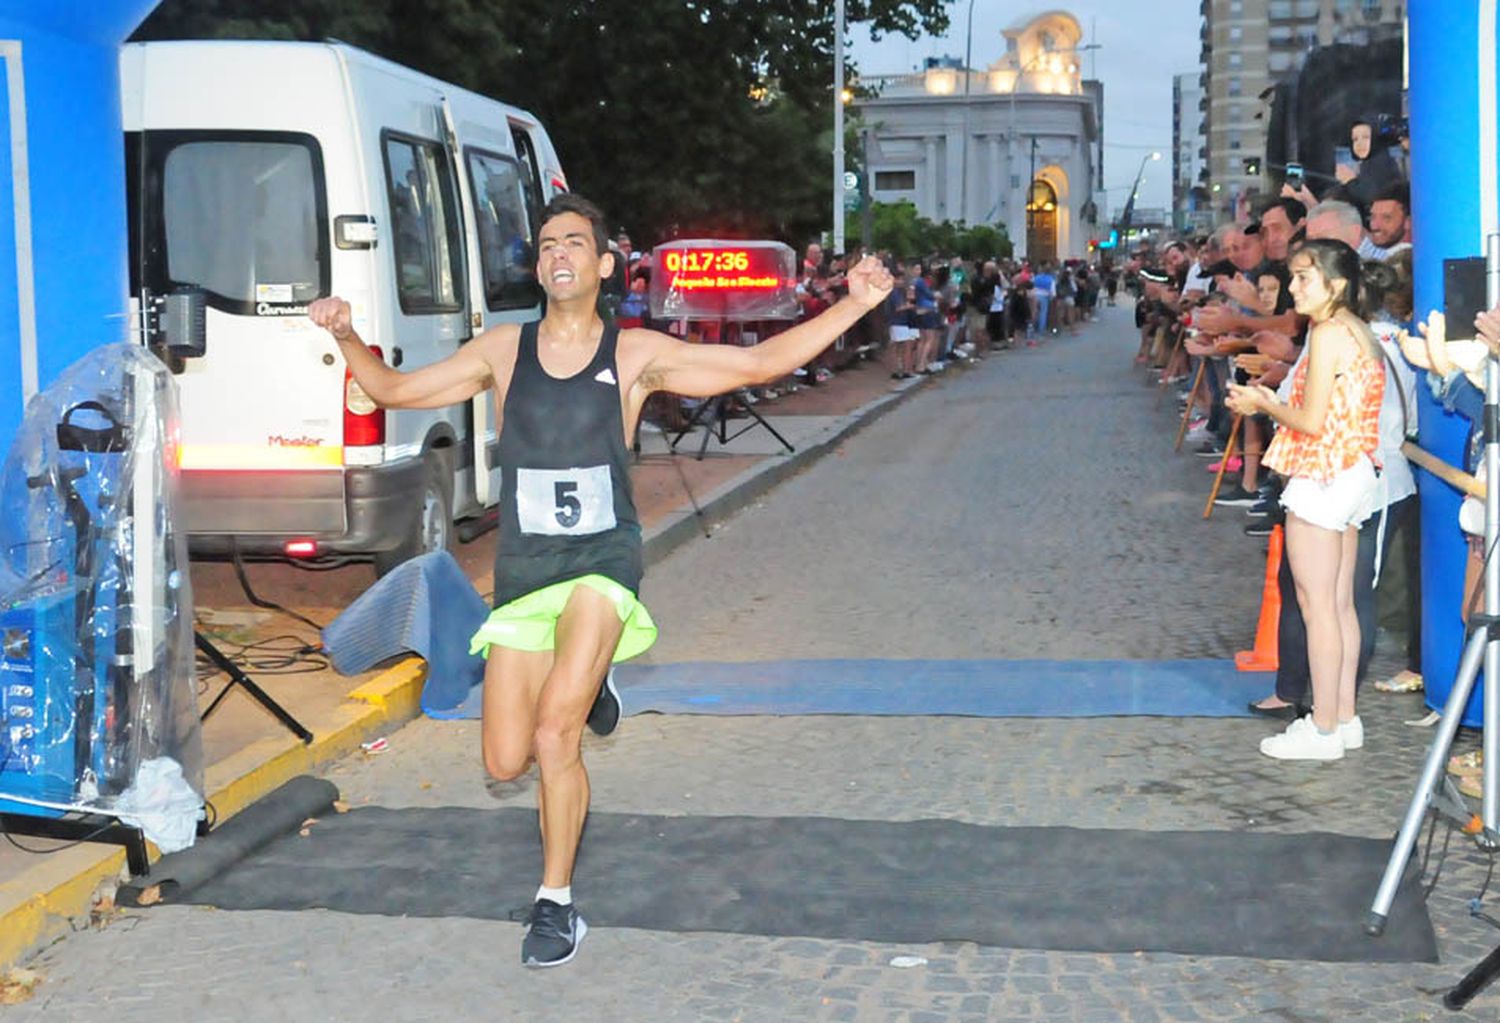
[562,896]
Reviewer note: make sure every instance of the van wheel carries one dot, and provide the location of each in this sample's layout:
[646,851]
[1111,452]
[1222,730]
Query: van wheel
[431,529]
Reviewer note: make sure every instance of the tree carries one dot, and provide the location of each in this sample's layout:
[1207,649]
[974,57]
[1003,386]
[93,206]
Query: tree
[358,23]
[677,116]
[900,230]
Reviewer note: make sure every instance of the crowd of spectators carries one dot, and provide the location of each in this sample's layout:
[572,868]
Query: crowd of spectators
[943,311]
[1293,339]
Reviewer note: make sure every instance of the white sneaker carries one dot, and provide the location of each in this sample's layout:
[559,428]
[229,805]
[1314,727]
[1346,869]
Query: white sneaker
[1352,732]
[1303,741]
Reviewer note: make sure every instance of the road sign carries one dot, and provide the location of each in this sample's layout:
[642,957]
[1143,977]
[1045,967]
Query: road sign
[851,181]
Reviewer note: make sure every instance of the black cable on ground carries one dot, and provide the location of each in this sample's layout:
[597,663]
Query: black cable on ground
[1478,900]
[1427,855]
[269,605]
[68,844]
[286,654]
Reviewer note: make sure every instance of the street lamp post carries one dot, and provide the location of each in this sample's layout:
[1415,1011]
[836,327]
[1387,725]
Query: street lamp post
[867,198]
[1134,188]
[1030,198]
[963,188]
[838,126]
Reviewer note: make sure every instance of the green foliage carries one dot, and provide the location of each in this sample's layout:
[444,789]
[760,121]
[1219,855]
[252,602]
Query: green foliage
[358,23]
[898,229]
[649,102]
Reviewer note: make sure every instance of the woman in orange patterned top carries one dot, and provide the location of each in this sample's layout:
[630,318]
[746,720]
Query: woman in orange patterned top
[1325,444]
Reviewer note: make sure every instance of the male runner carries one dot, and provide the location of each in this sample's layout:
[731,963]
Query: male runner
[569,565]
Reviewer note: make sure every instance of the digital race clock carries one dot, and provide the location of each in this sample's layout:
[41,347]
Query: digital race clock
[724,280]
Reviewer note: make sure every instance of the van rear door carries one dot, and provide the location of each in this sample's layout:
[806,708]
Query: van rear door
[501,213]
[243,215]
[483,436]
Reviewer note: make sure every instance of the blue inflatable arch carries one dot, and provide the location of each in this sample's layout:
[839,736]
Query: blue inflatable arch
[1451,52]
[63,279]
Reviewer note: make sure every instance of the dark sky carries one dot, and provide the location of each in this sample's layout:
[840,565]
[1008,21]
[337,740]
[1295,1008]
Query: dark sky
[1143,44]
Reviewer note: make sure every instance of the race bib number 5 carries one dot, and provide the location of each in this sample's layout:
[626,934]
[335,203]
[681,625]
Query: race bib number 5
[565,502]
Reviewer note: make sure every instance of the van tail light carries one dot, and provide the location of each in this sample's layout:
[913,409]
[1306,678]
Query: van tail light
[364,421]
[300,548]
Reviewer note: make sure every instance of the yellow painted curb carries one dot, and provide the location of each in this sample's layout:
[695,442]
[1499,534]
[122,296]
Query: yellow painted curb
[67,884]
[37,905]
[392,684]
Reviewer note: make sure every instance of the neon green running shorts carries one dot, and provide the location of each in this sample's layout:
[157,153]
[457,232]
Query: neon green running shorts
[530,622]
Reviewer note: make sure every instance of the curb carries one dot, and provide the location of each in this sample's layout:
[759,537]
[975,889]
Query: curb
[38,905]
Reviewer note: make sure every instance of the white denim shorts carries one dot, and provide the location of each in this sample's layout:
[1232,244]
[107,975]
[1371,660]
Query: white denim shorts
[1346,500]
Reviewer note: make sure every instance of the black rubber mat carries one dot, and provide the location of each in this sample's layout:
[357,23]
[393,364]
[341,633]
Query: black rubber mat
[259,824]
[1269,896]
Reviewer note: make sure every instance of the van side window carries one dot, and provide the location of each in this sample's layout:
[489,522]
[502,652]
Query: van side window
[424,226]
[240,214]
[506,255]
[531,174]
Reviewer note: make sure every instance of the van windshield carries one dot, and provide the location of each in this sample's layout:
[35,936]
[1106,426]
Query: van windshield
[240,216]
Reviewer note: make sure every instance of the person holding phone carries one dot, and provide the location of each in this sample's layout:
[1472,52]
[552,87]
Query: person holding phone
[1368,169]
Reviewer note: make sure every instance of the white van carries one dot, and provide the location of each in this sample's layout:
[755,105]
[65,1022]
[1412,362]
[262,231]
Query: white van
[268,174]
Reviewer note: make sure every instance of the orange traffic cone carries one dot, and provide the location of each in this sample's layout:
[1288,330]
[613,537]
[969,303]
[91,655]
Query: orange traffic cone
[1263,657]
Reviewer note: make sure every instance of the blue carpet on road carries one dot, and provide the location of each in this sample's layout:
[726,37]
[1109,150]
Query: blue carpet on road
[982,688]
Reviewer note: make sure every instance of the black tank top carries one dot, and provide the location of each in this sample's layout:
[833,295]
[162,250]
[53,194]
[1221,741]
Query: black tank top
[565,503]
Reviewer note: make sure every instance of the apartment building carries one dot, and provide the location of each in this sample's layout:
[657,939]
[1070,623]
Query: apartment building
[1248,46]
[1191,207]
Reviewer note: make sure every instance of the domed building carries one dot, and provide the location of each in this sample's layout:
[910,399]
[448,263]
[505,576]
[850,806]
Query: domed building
[1018,144]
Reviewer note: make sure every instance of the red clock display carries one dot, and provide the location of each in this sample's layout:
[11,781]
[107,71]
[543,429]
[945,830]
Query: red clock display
[724,280]
[702,261]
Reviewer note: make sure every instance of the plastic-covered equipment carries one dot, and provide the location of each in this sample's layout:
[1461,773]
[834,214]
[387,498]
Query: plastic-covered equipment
[706,279]
[98,698]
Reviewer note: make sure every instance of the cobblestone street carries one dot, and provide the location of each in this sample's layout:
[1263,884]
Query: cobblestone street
[1028,507]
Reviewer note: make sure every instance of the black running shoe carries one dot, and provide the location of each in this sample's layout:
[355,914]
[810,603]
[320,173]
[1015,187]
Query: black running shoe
[1235,497]
[604,715]
[1260,527]
[553,934]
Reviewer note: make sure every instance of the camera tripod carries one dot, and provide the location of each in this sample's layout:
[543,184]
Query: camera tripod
[1436,792]
[713,414]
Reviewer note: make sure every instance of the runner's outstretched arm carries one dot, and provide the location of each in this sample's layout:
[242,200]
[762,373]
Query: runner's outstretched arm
[701,371]
[457,378]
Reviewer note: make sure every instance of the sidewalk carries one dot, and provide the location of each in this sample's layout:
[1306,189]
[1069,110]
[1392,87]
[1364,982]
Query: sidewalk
[248,753]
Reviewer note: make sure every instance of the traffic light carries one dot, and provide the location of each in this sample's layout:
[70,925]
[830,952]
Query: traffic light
[1252,166]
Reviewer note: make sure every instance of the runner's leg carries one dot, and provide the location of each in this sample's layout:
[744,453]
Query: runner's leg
[587,632]
[512,685]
